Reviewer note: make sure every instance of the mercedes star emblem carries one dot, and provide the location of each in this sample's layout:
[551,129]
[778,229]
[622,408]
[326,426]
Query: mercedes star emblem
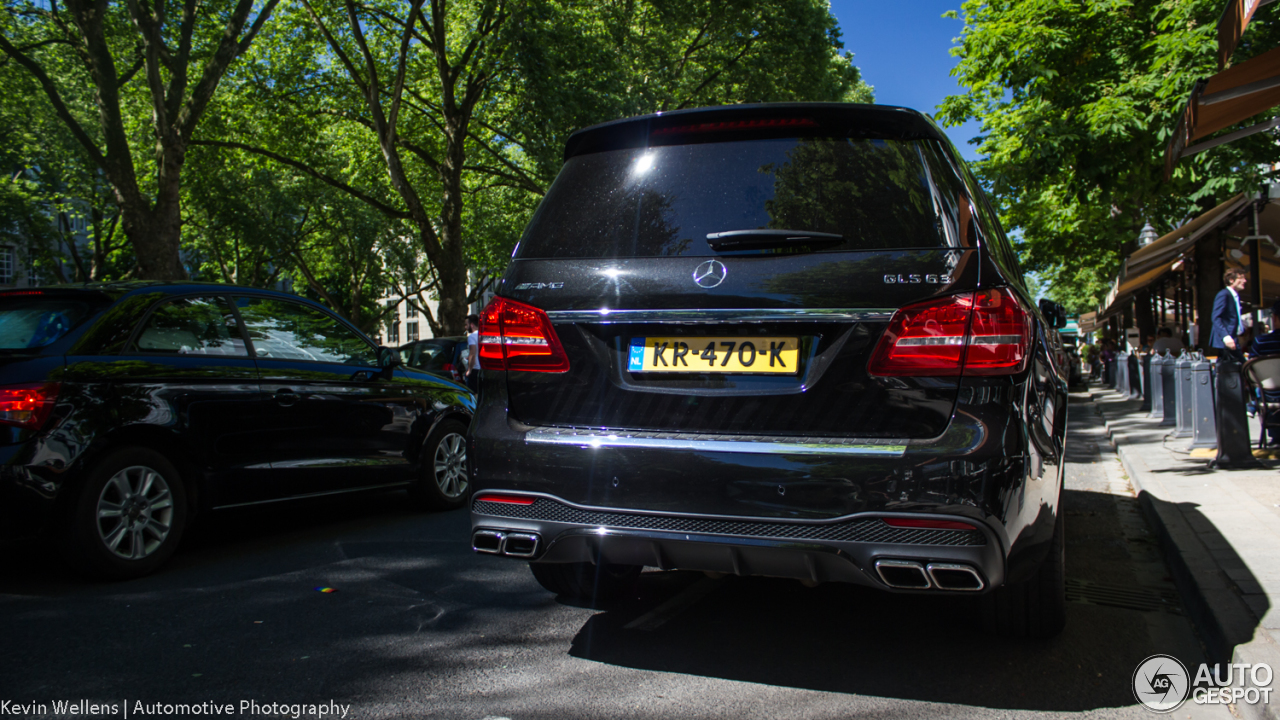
[710,273]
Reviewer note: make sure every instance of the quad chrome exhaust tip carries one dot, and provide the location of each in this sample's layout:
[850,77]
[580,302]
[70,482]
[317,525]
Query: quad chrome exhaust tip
[952,576]
[488,541]
[903,574]
[503,542]
[912,575]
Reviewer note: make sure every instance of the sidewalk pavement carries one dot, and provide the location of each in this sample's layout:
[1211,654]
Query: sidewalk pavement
[1220,531]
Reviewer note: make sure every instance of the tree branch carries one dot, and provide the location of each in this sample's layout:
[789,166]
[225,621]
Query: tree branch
[59,107]
[308,170]
[336,47]
[228,50]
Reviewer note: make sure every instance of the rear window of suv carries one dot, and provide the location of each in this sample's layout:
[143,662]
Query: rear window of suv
[665,200]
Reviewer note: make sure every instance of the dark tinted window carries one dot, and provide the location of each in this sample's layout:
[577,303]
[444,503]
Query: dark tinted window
[34,321]
[193,326]
[284,330]
[430,355]
[664,201]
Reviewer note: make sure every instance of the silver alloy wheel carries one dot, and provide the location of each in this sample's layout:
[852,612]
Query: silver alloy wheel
[451,465]
[135,512]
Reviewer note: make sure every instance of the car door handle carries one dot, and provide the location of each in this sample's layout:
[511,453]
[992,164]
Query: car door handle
[286,396]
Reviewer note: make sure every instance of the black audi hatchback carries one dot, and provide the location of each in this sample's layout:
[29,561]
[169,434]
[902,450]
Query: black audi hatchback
[776,340]
[127,408]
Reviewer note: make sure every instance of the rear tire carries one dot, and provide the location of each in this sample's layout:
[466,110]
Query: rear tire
[443,482]
[128,516]
[587,582]
[1037,608]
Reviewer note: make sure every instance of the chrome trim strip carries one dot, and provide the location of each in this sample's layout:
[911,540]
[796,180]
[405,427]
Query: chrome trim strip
[606,316]
[721,443]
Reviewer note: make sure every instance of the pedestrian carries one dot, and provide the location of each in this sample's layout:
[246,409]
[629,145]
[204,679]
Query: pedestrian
[1166,342]
[1227,323]
[1269,344]
[473,353]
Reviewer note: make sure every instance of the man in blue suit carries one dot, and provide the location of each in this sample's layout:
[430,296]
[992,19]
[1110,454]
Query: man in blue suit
[1227,324]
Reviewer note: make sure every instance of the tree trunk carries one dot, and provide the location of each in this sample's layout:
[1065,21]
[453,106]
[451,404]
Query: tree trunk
[451,270]
[155,230]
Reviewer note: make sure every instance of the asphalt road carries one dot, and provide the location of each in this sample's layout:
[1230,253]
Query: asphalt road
[418,626]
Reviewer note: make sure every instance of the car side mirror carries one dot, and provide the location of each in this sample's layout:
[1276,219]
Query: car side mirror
[1061,320]
[389,358]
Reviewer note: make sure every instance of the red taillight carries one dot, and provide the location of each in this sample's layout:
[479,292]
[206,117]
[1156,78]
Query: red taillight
[448,367]
[27,406]
[981,333]
[515,336]
[735,125]
[924,339]
[1001,334]
[927,524]
[508,499]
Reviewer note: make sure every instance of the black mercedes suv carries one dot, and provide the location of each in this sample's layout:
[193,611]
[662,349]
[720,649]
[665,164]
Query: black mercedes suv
[778,340]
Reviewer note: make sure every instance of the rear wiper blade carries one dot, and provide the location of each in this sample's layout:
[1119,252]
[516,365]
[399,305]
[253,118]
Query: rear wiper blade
[767,238]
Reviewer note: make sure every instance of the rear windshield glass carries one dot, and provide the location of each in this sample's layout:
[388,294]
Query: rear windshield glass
[34,322]
[664,201]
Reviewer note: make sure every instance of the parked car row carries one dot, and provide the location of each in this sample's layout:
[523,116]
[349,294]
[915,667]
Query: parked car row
[782,340]
[126,408]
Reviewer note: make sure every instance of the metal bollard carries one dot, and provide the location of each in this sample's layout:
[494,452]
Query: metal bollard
[1235,449]
[1157,387]
[1203,424]
[1169,395]
[1122,373]
[1146,383]
[1183,395]
[1135,377]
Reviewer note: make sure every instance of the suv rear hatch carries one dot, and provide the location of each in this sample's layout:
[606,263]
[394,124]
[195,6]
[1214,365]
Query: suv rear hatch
[734,272]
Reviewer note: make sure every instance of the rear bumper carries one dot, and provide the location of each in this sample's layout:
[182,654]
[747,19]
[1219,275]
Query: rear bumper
[845,549]
[27,499]
[996,466]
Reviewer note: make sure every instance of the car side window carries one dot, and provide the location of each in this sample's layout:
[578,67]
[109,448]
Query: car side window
[192,326]
[286,330]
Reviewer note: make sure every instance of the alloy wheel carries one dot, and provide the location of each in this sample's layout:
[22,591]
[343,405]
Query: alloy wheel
[135,512]
[451,465]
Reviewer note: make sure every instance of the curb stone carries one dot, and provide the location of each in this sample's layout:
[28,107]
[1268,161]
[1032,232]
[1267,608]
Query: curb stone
[1229,627]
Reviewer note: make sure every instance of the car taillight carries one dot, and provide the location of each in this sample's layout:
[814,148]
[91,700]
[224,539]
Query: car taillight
[448,367]
[515,336]
[980,333]
[738,125]
[27,406]
[924,339]
[1000,337]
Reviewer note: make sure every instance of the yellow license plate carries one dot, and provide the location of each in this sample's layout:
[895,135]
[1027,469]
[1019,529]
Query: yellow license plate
[714,354]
